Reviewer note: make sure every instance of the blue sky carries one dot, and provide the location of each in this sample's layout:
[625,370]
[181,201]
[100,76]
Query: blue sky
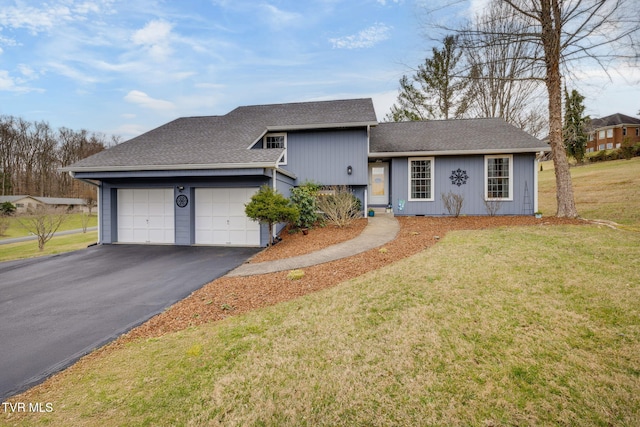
[125,67]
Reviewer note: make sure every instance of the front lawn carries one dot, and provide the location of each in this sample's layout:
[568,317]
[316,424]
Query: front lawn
[56,245]
[507,326]
[72,222]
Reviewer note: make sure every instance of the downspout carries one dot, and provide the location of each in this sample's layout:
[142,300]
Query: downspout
[72,174]
[535,181]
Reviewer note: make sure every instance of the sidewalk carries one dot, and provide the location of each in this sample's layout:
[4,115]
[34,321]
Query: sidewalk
[380,229]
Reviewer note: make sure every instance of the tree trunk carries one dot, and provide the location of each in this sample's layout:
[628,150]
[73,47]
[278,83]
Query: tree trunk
[551,33]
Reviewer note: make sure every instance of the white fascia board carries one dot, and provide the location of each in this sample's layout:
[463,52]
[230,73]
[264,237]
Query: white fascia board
[456,152]
[284,128]
[130,168]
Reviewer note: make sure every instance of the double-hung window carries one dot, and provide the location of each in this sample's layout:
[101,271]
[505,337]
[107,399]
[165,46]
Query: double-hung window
[421,179]
[498,177]
[277,140]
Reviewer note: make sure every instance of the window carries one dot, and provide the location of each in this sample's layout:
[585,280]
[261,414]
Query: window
[421,178]
[637,131]
[601,147]
[277,140]
[601,134]
[498,173]
[624,131]
[609,145]
[609,133]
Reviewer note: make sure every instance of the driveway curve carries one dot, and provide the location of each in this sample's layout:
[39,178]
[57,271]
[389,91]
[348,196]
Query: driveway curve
[55,309]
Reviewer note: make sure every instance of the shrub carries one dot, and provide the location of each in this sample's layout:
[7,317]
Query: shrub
[340,208]
[304,198]
[7,208]
[295,275]
[453,203]
[492,206]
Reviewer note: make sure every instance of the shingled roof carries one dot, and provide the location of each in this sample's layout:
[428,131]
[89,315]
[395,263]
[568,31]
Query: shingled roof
[467,136]
[224,141]
[614,120]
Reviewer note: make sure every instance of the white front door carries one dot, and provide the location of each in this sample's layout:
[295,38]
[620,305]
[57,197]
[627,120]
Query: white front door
[378,190]
[220,217]
[146,215]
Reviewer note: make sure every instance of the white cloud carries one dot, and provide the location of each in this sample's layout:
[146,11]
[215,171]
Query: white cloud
[143,100]
[384,2]
[12,84]
[366,38]
[280,19]
[156,38]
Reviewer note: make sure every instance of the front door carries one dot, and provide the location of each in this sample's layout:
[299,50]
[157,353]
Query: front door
[378,183]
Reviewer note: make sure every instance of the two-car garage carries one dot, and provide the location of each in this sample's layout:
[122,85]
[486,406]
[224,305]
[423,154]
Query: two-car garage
[215,216]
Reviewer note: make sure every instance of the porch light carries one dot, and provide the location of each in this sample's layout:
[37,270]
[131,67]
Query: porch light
[349,170]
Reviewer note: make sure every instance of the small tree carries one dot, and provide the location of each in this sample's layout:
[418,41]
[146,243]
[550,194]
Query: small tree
[270,207]
[575,122]
[43,222]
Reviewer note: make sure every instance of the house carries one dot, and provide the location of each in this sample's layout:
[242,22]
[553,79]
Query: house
[24,203]
[187,182]
[609,132]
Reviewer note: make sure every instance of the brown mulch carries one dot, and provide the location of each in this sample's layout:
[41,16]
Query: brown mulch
[296,243]
[229,296]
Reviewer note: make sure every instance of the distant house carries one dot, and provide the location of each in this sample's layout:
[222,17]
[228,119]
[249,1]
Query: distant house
[24,203]
[608,133]
[187,182]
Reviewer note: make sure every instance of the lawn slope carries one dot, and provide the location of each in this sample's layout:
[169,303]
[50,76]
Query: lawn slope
[606,190]
[509,326]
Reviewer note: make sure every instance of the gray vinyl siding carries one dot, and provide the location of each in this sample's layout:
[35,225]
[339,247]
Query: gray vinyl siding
[473,191]
[323,156]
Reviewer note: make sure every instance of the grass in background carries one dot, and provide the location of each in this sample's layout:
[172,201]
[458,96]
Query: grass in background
[607,190]
[56,245]
[459,334]
[72,222]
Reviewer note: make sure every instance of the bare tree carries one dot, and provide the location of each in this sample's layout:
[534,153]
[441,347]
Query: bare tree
[499,79]
[43,222]
[560,33]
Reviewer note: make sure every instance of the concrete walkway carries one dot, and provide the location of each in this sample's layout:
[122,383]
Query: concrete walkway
[381,229]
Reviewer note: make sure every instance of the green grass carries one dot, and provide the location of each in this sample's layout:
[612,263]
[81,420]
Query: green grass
[56,245]
[457,335]
[72,222]
[606,190]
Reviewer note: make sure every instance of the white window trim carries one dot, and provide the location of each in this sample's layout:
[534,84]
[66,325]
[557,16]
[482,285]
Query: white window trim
[486,176]
[409,160]
[264,145]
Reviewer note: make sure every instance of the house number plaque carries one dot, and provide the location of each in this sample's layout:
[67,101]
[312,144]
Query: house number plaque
[182,201]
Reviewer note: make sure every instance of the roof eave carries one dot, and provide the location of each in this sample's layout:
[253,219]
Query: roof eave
[283,128]
[457,152]
[133,168]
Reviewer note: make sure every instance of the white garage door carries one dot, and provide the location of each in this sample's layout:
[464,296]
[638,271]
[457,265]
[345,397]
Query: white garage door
[220,217]
[146,215]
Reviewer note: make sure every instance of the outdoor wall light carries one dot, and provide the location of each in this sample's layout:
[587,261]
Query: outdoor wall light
[349,170]
[181,189]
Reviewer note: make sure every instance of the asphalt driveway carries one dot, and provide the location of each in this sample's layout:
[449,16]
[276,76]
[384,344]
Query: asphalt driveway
[54,310]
